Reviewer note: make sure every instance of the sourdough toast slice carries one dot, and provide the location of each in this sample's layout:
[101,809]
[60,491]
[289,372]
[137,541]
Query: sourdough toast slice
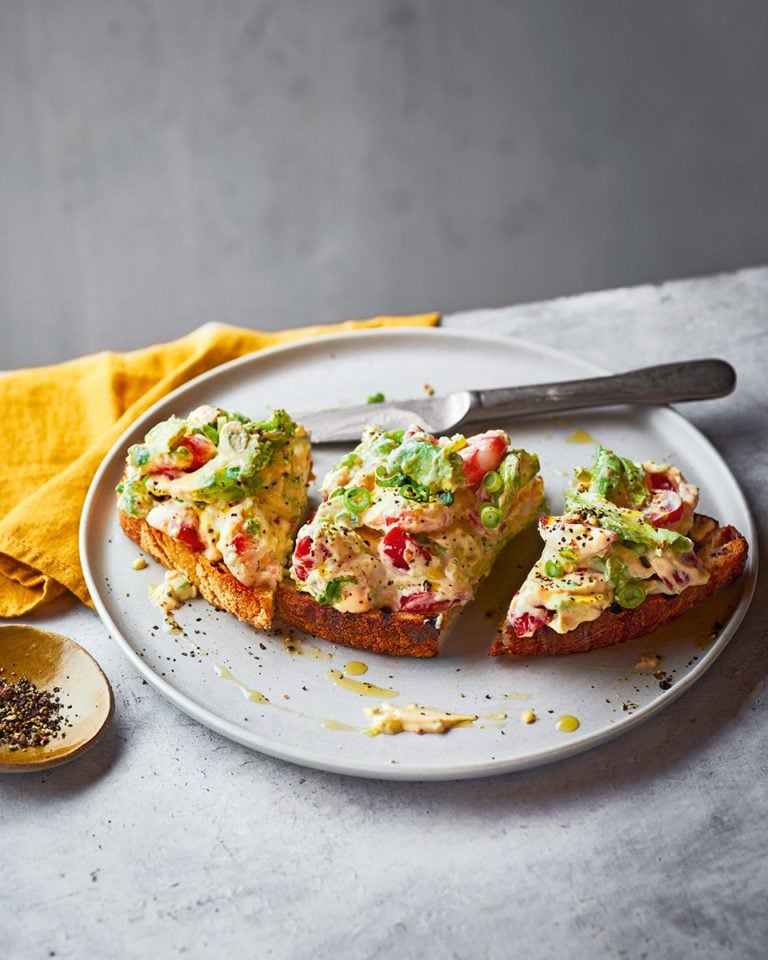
[218,498]
[408,527]
[379,631]
[628,555]
[723,554]
[254,605]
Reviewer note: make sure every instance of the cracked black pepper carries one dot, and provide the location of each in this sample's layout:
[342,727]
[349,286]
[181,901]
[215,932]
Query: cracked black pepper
[29,717]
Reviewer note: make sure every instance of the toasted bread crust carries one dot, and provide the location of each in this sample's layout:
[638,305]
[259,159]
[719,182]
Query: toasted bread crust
[380,631]
[723,552]
[216,584]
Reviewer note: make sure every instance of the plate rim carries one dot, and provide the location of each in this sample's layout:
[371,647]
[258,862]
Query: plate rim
[376,770]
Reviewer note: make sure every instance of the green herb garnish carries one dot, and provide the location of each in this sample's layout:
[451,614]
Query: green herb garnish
[490,516]
[333,592]
[356,499]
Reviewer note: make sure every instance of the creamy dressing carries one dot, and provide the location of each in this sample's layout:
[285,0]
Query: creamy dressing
[390,719]
[171,625]
[172,592]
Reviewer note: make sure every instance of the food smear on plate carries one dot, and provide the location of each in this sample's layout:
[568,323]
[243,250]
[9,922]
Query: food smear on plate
[169,595]
[175,590]
[390,719]
[648,663]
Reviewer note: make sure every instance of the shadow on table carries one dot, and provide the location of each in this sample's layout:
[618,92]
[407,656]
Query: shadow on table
[69,779]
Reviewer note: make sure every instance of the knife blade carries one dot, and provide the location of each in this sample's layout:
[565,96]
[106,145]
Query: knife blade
[667,383]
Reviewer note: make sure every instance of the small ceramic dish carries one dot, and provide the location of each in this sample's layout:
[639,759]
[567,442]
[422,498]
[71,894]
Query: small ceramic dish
[51,661]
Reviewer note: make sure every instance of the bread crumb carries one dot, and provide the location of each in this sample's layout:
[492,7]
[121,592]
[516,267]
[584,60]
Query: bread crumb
[139,564]
[648,663]
[528,716]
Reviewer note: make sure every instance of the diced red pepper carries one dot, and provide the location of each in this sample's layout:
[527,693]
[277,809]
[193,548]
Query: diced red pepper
[412,431]
[528,622]
[422,601]
[302,558]
[660,481]
[665,508]
[201,448]
[401,549]
[188,535]
[159,469]
[240,543]
[481,455]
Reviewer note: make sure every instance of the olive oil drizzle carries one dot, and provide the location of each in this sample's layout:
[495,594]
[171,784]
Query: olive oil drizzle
[567,723]
[362,688]
[226,674]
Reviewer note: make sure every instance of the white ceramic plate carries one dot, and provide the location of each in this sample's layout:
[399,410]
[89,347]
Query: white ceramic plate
[216,670]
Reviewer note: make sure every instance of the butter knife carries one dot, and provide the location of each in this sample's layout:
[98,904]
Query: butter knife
[665,383]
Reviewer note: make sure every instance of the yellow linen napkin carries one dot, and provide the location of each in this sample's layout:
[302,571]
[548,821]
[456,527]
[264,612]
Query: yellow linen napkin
[60,421]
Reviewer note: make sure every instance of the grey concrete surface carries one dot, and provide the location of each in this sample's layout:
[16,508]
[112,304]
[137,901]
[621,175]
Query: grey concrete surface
[165,164]
[167,840]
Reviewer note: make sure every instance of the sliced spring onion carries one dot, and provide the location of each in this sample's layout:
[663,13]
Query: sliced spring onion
[356,499]
[492,481]
[490,515]
[630,594]
[415,491]
[407,487]
[553,569]
[614,568]
[385,479]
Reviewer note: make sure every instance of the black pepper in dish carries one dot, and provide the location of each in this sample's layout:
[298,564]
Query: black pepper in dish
[29,717]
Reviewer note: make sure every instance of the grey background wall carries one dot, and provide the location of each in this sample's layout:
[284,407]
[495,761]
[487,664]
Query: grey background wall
[164,164]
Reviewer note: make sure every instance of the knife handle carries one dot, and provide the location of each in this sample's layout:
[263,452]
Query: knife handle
[666,383]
